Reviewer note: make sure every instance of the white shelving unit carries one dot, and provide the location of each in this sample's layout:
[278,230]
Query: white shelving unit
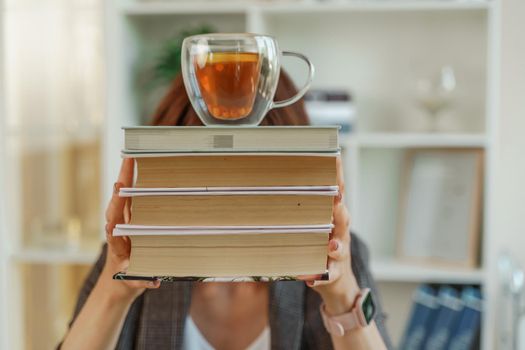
[406,140]
[395,271]
[55,256]
[376,49]
[293,7]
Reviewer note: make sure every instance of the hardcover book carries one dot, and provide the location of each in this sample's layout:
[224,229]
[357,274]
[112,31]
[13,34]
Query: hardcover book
[278,252]
[466,333]
[235,170]
[181,207]
[446,319]
[421,320]
[126,277]
[230,139]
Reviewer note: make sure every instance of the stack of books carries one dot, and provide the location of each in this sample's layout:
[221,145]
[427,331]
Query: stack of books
[214,203]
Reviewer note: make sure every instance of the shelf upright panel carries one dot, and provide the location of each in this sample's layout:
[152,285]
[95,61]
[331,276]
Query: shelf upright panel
[255,21]
[11,319]
[492,107]
[4,247]
[121,51]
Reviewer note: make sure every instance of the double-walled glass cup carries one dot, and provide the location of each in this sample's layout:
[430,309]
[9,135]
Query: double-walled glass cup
[231,78]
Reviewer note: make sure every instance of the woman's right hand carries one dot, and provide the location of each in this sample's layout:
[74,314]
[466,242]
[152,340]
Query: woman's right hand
[119,248]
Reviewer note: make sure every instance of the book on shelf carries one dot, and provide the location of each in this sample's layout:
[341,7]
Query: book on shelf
[331,107]
[466,334]
[444,318]
[146,139]
[421,318]
[271,253]
[230,203]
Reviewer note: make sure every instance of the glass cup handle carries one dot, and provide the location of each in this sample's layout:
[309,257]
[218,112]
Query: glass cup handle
[300,93]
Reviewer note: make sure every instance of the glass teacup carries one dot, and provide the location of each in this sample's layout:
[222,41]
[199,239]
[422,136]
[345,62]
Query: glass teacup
[231,78]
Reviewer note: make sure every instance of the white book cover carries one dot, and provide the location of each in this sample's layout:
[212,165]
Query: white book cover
[149,230]
[228,191]
[144,154]
[232,139]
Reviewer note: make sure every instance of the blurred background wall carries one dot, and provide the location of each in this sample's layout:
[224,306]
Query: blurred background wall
[52,114]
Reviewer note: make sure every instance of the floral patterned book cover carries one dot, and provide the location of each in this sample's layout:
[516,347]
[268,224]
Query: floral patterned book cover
[124,276]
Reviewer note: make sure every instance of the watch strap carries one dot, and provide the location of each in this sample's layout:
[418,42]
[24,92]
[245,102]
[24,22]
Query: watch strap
[338,325]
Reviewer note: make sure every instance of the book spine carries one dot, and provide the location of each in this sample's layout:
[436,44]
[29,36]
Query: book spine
[329,190]
[421,320]
[468,327]
[124,276]
[450,308]
[262,208]
[290,139]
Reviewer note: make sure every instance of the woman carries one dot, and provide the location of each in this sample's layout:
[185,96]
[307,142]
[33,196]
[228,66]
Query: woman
[187,315]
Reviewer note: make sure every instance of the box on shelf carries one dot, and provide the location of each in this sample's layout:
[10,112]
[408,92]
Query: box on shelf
[331,107]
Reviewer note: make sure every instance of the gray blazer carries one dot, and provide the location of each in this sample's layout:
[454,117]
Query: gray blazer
[156,318]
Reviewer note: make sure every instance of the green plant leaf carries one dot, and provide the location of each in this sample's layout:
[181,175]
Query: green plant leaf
[169,61]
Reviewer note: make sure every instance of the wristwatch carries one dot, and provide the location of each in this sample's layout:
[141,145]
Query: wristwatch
[361,314]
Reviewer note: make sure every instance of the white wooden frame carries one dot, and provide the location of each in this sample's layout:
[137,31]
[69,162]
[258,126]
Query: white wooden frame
[254,13]
[4,250]
[472,254]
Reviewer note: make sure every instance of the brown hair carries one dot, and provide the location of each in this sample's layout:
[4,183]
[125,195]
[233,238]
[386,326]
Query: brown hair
[175,108]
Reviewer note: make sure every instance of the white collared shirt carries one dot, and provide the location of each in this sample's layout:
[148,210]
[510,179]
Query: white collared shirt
[194,340]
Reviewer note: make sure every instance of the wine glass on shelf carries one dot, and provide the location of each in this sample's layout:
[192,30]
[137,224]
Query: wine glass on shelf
[435,94]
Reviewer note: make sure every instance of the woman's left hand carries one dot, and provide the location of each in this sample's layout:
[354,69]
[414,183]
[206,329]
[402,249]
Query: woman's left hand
[341,290]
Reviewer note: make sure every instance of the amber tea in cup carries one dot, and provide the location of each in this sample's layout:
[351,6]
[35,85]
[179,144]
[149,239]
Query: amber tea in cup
[228,82]
[231,78]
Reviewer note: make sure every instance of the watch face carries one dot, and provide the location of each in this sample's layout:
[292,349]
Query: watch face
[369,308]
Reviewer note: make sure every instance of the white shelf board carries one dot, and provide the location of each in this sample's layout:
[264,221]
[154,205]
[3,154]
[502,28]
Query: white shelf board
[291,7]
[55,256]
[347,140]
[405,140]
[390,270]
[184,7]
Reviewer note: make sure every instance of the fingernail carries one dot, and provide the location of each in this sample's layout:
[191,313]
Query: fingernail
[334,245]
[310,283]
[339,196]
[116,187]
[151,284]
